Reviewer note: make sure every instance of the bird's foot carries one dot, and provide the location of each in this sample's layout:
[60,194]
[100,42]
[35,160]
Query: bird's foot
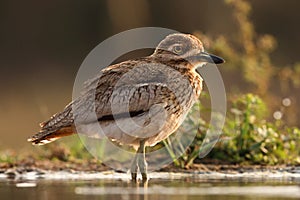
[133,170]
[142,164]
[139,161]
[144,177]
[133,177]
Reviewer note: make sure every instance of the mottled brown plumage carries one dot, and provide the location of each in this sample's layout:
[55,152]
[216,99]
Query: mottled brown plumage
[154,92]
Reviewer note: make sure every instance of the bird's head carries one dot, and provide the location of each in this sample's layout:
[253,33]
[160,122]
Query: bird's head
[184,46]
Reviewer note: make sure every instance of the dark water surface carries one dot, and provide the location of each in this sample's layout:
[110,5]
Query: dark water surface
[156,188]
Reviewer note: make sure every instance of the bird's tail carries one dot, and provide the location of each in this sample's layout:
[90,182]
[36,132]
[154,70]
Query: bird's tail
[47,136]
[59,125]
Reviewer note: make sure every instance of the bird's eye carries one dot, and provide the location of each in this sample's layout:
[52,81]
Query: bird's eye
[177,49]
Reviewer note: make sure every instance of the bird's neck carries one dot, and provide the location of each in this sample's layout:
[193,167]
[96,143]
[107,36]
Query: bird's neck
[187,69]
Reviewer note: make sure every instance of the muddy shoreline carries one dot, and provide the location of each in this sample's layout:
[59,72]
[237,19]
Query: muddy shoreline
[55,169]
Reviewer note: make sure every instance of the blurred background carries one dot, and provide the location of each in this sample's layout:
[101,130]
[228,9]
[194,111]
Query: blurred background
[42,45]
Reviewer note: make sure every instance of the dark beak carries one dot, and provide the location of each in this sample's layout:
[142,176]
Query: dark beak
[209,58]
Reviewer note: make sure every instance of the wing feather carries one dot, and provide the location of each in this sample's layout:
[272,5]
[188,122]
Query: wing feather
[130,87]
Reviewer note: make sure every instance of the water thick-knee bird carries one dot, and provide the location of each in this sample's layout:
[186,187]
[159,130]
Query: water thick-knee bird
[157,91]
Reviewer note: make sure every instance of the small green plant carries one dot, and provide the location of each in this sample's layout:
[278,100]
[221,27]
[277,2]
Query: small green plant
[248,137]
[8,157]
[254,140]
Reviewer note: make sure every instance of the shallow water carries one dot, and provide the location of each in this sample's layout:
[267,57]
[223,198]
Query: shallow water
[63,185]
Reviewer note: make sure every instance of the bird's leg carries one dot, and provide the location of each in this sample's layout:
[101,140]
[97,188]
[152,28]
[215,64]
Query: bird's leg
[141,161]
[134,167]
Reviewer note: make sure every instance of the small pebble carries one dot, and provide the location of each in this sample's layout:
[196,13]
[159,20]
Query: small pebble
[11,173]
[25,185]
